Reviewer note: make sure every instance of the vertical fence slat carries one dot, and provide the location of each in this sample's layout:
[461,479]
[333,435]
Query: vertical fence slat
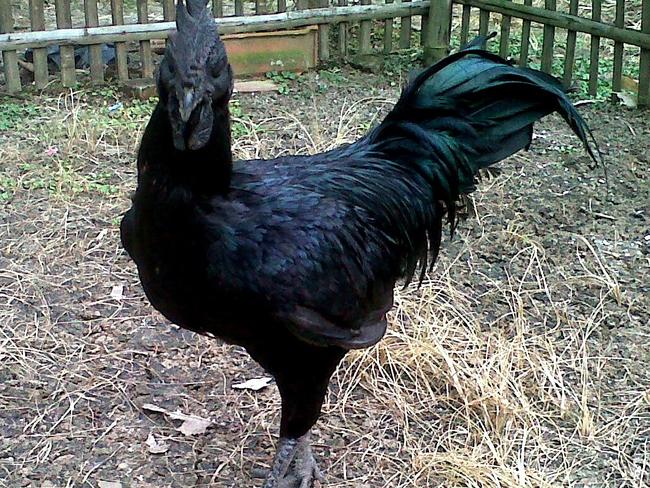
[644,61]
[436,42]
[117,12]
[37,22]
[483,22]
[146,59]
[239,8]
[343,32]
[282,5]
[388,33]
[9,58]
[95,50]
[169,13]
[525,38]
[324,37]
[570,52]
[617,70]
[504,38]
[217,8]
[464,24]
[259,7]
[64,21]
[405,31]
[548,40]
[364,33]
[594,55]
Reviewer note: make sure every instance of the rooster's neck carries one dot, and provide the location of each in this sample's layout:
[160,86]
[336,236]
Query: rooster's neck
[203,171]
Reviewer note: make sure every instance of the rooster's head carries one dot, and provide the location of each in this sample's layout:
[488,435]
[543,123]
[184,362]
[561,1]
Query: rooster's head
[194,76]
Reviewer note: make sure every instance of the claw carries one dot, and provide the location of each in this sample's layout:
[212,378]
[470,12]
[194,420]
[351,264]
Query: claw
[294,465]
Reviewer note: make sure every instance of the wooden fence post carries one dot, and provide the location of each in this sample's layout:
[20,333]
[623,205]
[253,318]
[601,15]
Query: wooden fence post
[343,32]
[37,21]
[617,69]
[570,51]
[9,58]
[146,59]
[436,45]
[644,62]
[464,24]
[405,31]
[324,36]
[388,33]
[68,67]
[117,11]
[594,55]
[504,37]
[364,33]
[95,50]
[549,40]
[525,38]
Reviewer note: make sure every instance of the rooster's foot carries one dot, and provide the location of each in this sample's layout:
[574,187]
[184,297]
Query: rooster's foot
[294,465]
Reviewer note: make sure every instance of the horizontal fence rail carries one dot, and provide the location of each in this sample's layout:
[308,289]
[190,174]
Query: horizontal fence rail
[227,25]
[539,29]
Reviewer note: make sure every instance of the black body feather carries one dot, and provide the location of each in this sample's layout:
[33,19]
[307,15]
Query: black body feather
[298,256]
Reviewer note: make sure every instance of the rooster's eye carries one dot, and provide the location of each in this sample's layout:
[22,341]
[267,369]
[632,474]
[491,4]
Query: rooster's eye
[215,70]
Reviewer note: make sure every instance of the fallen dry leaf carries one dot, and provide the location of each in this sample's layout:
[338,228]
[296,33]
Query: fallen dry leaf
[194,426]
[109,484]
[154,408]
[255,384]
[156,447]
[117,292]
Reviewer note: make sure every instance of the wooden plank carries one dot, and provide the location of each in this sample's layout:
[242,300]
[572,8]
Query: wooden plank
[525,38]
[594,54]
[405,31]
[294,19]
[37,22]
[436,45]
[424,31]
[464,24]
[483,22]
[259,7]
[343,32]
[388,33]
[169,11]
[9,58]
[364,33]
[644,62]
[117,14]
[282,5]
[504,38]
[217,8]
[617,70]
[146,59]
[239,7]
[324,37]
[570,51]
[548,40]
[95,51]
[64,21]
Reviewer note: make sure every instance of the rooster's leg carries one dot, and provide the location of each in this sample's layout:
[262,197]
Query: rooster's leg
[294,465]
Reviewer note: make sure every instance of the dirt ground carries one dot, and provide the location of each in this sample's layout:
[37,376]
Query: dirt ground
[521,361]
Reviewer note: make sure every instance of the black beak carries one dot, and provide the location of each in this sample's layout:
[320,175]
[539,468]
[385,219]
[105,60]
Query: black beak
[186,104]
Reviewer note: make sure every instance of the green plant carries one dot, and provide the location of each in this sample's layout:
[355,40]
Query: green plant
[282,79]
[12,114]
[7,187]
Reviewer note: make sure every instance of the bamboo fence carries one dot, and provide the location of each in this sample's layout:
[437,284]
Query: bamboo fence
[364,27]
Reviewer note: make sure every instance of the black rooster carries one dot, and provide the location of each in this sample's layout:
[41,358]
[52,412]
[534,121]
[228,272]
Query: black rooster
[295,258]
